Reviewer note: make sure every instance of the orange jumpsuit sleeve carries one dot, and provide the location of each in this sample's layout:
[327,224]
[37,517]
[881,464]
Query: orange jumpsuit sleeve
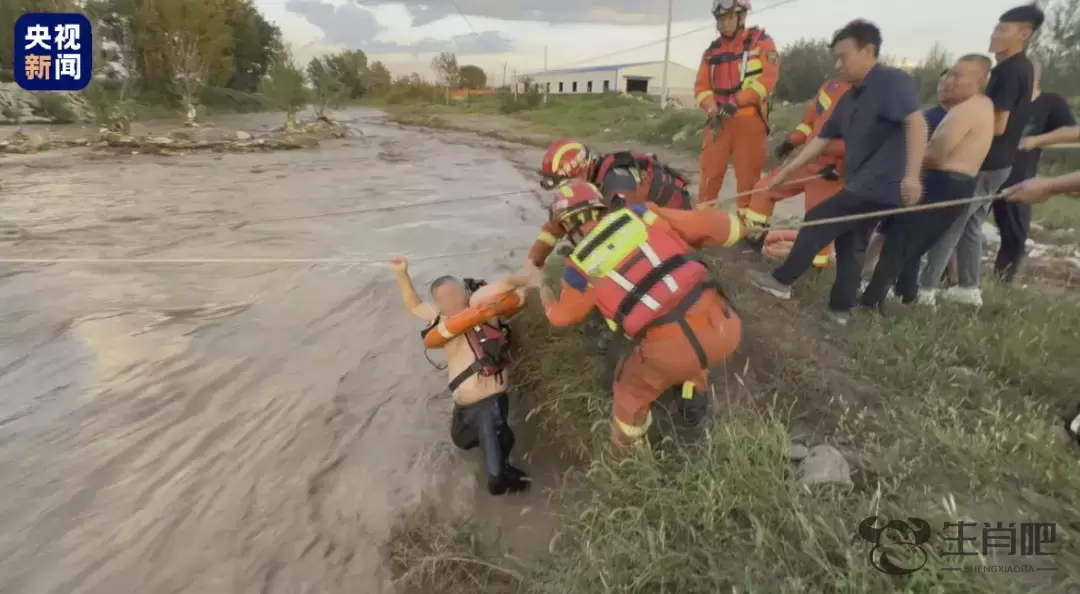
[802,132]
[550,234]
[704,228]
[572,307]
[766,81]
[703,89]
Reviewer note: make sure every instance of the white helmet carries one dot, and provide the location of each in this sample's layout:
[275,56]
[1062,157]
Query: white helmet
[720,7]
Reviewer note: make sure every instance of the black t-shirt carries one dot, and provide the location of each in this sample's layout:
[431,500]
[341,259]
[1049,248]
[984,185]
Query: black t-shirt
[1048,113]
[1011,85]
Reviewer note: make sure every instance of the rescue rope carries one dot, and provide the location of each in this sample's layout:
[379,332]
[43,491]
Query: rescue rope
[380,208]
[313,261]
[721,201]
[880,214]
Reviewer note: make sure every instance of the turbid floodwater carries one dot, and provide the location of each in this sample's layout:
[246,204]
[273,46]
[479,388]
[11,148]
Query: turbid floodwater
[233,427]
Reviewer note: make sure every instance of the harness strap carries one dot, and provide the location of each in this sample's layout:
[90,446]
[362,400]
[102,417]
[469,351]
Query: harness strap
[650,280]
[469,371]
[591,246]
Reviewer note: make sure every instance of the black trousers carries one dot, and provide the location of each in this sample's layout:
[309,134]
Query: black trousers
[850,240]
[1013,222]
[485,424]
[911,235]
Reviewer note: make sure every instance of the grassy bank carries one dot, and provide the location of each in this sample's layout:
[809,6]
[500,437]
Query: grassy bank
[944,415]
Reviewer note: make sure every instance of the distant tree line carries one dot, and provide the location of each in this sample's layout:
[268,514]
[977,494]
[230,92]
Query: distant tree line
[807,63]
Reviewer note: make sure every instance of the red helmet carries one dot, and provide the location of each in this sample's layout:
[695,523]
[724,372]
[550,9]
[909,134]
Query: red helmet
[563,160]
[722,7]
[575,200]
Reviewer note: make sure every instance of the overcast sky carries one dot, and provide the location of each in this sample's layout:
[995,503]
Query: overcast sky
[406,34]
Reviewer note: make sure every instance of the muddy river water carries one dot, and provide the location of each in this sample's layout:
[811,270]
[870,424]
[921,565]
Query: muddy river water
[244,427]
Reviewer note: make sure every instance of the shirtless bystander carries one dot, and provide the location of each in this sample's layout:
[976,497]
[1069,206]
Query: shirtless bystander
[954,154]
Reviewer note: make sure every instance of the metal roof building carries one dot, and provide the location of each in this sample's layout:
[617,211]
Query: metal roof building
[634,77]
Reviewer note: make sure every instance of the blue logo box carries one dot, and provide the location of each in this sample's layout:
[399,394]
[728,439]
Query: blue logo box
[54,51]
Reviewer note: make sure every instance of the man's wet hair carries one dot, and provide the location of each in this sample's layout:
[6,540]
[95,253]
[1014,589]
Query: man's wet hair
[862,32]
[446,279]
[1027,14]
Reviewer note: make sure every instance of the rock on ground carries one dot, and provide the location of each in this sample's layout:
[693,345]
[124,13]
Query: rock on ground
[825,465]
[21,107]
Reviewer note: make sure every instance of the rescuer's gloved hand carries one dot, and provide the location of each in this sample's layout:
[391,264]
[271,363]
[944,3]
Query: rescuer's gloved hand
[829,173]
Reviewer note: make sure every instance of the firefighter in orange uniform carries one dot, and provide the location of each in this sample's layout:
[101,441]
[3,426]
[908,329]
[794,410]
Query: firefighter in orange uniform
[637,266]
[734,81]
[827,167]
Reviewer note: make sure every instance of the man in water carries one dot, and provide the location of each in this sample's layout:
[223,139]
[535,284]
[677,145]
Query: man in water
[1011,86]
[481,406]
[954,154]
[1050,122]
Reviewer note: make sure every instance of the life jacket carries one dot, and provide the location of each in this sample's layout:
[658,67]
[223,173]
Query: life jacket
[489,342]
[644,274]
[668,187]
[730,70]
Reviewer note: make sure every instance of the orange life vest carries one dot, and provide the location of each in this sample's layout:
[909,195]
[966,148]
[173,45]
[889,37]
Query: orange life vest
[667,187]
[644,274]
[732,62]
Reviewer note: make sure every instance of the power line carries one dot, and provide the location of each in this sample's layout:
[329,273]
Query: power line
[661,40]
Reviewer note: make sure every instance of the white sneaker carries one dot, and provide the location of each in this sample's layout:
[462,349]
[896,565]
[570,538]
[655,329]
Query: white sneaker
[967,296]
[890,295]
[928,297]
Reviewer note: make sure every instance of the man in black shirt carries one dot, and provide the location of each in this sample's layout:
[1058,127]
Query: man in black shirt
[1050,122]
[884,134]
[1010,88]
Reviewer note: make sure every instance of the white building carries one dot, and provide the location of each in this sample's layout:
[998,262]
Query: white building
[638,77]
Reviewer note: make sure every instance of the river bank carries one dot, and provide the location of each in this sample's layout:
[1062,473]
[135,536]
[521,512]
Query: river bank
[945,415]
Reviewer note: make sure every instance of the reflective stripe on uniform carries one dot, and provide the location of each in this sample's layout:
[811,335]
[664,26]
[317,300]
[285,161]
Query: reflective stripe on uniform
[444,332]
[824,100]
[805,129]
[821,261]
[755,86]
[753,65]
[756,217]
[634,432]
[547,239]
[703,96]
[734,235]
[688,390]
[655,260]
[628,286]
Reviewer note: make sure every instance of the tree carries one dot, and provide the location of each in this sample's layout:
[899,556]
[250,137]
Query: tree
[446,71]
[206,21]
[349,67]
[284,87]
[1057,46]
[330,91]
[189,73]
[472,77]
[256,44]
[928,73]
[378,79]
[804,66]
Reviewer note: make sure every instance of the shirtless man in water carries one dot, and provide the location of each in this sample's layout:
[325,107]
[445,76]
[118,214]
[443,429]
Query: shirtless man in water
[481,406]
[953,157]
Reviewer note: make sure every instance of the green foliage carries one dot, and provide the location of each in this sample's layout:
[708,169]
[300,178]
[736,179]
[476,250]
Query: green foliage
[928,73]
[472,77]
[349,67]
[804,65]
[1057,46]
[56,107]
[330,91]
[378,78]
[284,87]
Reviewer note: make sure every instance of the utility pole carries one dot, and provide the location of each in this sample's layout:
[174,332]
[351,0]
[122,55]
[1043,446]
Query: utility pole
[667,57]
[546,84]
[515,84]
[504,75]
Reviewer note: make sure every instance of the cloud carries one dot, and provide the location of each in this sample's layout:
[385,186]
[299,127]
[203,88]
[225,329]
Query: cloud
[355,27]
[611,12]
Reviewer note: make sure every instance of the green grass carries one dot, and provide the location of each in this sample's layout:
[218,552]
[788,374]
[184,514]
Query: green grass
[609,117]
[944,415]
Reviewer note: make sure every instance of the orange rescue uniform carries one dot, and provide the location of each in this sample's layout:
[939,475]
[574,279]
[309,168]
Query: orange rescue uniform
[665,356]
[818,190]
[741,71]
